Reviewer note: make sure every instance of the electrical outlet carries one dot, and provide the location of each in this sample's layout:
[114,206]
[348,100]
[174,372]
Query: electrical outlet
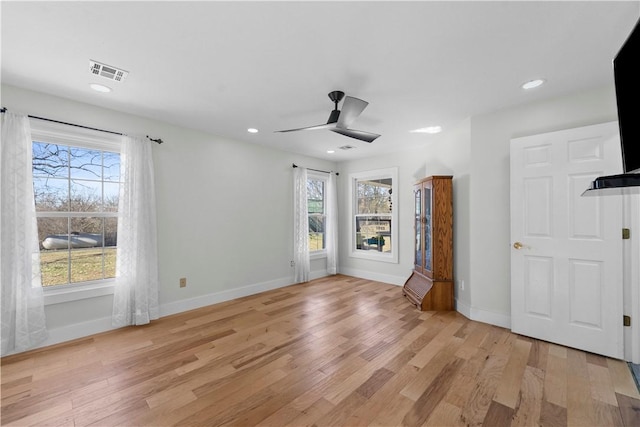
[183,282]
[293,263]
[461,285]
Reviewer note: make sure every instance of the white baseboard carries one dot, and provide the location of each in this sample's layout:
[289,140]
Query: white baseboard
[484,316]
[222,296]
[378,277]
[78,330]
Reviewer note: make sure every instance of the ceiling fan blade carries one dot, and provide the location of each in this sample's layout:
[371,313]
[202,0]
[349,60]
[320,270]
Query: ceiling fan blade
[317,127]
[357,134]
[351,109]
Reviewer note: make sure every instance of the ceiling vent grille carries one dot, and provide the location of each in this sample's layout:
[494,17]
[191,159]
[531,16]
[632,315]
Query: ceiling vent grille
[107,71]
[346,147]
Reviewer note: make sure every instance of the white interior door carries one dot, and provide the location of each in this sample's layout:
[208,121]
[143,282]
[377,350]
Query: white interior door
[566,255]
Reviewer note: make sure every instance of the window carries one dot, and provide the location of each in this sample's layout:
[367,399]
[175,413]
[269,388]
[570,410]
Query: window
[374,220]
[316,187]
[76,182]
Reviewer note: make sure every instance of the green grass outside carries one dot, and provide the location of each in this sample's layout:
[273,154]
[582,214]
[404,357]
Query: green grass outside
[86,264]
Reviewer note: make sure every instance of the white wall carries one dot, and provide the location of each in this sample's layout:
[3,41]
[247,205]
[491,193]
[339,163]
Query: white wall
[490,223]
[225,212]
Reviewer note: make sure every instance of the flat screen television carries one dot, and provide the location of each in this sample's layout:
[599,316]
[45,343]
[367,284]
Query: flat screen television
[626,71]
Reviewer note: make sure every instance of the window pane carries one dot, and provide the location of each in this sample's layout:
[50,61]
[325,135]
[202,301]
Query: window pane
[111,169]
[86,196]
[51,194]
[373,233]
[86,249]
[111,195]
[110,243]
[315,196]
[54,253]
[85,164]
[316,232]
[50,160]
[374,197]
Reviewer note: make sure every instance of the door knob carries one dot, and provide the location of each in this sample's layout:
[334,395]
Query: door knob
[518,245]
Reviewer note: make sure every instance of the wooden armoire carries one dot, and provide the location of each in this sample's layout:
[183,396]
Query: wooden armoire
[430,286]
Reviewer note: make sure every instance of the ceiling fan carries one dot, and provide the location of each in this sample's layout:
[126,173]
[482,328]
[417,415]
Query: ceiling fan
[339,121]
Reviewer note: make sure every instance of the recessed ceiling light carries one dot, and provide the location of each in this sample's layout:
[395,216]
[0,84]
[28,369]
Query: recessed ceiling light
[99,88]
[428,129]
[252,130]
[531,84]
[331,151]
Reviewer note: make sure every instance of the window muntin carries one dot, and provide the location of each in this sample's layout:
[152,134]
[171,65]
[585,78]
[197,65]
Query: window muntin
[76,194]
[374,221]
[316,212]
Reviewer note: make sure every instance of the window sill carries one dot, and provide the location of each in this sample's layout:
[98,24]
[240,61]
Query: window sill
[318,254]
[69,293]
[375,256]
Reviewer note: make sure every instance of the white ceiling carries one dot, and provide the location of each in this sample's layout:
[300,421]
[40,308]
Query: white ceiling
[223,67]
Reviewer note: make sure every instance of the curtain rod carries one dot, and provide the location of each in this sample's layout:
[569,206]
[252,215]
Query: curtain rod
[317,170]
[158,140]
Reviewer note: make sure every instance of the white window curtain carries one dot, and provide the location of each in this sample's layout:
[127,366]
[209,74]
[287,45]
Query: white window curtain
[300,226]
[135,300]
[331,227]
[23,318]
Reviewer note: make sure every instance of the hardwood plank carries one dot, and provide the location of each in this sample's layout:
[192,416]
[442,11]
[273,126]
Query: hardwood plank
[596,359]
[375,381]
[552,415]
[555,380]
[507,392]
[629,409]
[530,404]
[622,380]
[498,415]
[445,414]
[435,392]
[538,354]
[377,403]
[601,384]
[580,405]
[485,384]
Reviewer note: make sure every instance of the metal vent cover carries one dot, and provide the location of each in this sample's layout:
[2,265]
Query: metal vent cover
[107,71]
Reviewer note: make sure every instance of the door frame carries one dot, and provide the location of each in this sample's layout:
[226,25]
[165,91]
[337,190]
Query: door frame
[631,274]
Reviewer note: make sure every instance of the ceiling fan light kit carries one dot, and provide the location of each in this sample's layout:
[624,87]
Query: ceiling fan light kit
[340,120]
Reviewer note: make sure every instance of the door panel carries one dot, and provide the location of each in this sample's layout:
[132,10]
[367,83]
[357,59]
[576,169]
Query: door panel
[566,259]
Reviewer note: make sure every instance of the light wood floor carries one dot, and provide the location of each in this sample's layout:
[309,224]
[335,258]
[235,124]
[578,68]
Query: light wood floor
[335,351]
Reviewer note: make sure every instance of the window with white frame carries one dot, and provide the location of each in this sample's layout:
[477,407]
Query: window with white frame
[76,183]
[316,190]
[374,219]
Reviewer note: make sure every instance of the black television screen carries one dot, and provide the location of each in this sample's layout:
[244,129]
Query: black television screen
[626,69]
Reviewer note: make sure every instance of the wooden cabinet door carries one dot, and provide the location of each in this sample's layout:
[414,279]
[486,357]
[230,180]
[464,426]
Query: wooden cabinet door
[427,196]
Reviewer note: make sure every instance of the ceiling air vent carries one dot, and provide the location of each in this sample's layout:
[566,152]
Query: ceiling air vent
[346,147]
[107,71]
